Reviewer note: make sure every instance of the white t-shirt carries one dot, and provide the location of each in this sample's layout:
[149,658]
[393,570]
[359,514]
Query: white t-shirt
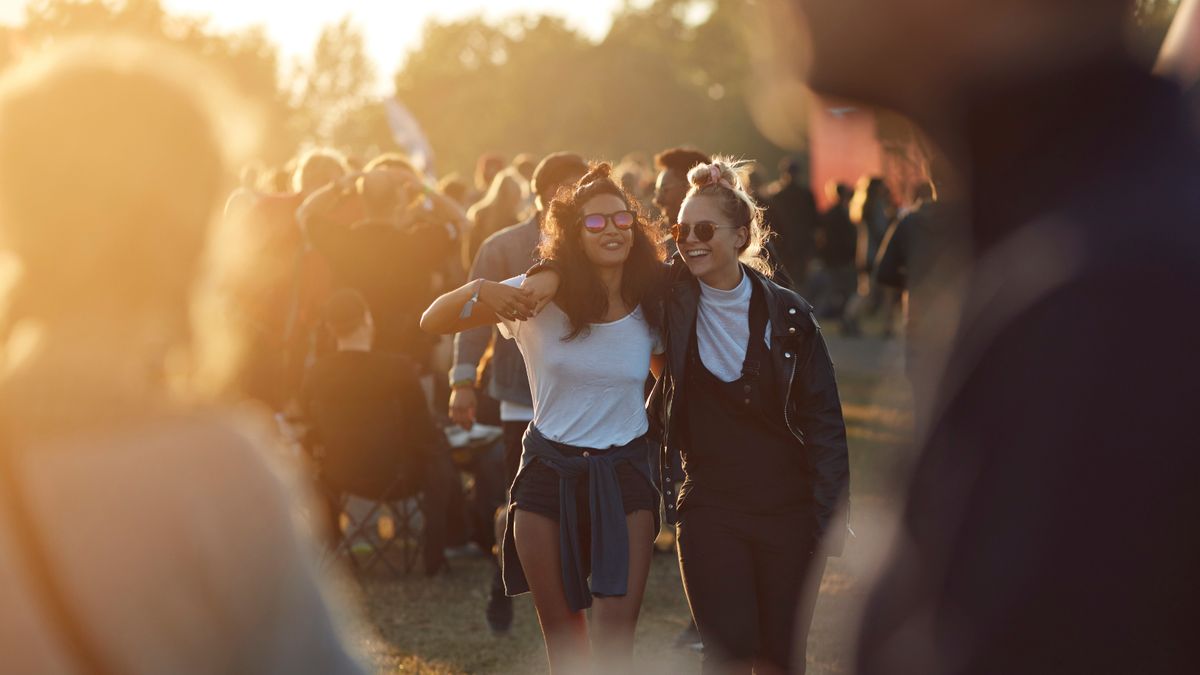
[587,392]
[723,328]
[515,412]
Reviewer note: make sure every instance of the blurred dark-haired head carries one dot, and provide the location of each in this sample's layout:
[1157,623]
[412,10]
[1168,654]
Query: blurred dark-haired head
[384,192]
[318,168]
[671,184]
[582,295]
[840,193]
[553,172]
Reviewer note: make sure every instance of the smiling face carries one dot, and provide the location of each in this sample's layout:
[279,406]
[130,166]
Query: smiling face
[716,259]
[609,247]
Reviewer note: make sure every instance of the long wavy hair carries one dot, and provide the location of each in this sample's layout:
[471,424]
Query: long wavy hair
[581,294]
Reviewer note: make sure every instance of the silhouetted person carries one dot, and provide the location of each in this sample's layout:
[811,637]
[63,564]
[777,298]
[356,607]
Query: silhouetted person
[372,424]
[390,256]
[792,215]
[1048,525]
[834,283]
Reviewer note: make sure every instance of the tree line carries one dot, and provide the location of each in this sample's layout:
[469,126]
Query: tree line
[673,72]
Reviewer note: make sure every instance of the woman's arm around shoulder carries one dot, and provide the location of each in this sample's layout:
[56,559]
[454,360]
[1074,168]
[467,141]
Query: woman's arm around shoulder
[478,303]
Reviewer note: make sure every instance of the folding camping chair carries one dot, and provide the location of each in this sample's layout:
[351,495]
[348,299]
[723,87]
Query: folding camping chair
[373,529]
[380,464]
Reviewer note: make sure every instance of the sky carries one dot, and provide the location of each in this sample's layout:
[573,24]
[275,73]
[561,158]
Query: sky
[391,27]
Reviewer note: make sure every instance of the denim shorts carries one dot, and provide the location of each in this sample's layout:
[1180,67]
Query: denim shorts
[536,491]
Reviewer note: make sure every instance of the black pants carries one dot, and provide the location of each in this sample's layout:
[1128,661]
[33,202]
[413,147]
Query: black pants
[745,579]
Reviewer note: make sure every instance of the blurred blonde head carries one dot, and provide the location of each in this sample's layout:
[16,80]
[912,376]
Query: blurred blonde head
[726,180]
[113,156]
[504,196]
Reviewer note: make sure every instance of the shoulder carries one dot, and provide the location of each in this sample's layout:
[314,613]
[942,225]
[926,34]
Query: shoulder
[510,236]
[786,304]
[176,481]
[675,270]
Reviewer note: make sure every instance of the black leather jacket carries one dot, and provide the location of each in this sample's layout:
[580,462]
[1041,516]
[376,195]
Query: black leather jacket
[805,381]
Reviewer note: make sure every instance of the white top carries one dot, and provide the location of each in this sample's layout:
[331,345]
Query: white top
[515,412]
[587,392]
[723,328]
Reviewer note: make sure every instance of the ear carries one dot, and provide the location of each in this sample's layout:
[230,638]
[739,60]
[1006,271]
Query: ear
[743,237]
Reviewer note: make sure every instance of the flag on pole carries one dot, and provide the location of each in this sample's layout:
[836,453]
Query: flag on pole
[407,134]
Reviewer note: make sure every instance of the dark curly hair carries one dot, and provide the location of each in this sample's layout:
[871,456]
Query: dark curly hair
[581,294]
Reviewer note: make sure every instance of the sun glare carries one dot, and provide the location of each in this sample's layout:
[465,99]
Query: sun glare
[391,29]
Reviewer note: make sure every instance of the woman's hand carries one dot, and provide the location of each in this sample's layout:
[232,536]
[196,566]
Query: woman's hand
[542,287]
[507,302]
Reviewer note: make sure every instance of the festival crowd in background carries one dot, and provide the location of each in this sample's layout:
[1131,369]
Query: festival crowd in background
[635,343]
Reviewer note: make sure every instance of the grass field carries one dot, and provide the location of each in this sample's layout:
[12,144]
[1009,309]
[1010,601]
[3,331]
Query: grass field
[418,625]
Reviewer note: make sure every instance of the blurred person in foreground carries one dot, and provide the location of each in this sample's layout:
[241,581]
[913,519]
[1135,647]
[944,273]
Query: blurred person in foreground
[142,528]
[504,255]
[1047,519]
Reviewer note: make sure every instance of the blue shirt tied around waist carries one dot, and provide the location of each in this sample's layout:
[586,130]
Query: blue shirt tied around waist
[610,535]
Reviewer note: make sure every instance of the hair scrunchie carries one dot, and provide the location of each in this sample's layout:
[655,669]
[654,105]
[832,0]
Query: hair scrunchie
[715,178]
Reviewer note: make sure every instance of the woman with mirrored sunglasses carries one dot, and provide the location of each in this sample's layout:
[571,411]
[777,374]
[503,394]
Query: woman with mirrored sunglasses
[749,404]
[583,506]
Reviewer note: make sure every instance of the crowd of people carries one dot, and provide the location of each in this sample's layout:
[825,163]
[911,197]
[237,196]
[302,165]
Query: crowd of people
[646,339]
[373,246]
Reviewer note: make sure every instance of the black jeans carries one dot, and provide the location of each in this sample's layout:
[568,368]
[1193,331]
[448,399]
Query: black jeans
[745,580]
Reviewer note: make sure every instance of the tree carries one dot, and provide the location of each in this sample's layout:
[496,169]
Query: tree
[673,72]
[337,82]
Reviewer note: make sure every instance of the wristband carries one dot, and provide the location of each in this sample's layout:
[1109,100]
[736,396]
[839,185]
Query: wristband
[470,305]
[462,384]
